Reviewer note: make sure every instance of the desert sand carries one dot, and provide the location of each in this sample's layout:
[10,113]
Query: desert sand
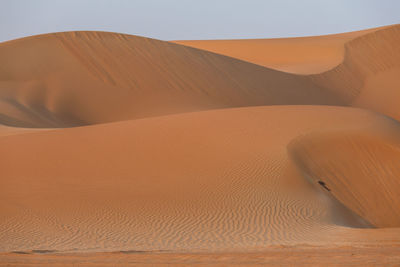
[120,150]
[301,55]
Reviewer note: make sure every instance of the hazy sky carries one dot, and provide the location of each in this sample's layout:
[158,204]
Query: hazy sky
[196,19]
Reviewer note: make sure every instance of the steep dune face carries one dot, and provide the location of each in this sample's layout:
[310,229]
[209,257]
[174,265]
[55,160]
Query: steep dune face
[302,55]
[359,168]
[80,78]
[207,180]
[368,75]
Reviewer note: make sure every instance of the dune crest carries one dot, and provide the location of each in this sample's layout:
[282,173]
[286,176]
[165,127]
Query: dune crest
[119,145]
[299,55]
[81,78]
[360,68]
[367,58]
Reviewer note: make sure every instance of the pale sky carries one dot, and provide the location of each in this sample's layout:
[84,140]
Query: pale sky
[196,19]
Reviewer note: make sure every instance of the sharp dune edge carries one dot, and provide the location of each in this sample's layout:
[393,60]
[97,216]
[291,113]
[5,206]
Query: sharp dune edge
[130,148]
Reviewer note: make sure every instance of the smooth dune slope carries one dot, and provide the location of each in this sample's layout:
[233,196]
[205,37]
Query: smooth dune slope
[360,68]
[359,168]
[301,55]
[368,77]
[214,180]
[187,154]
[80,78]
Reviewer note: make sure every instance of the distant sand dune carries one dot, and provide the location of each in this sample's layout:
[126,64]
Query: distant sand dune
[66,79]
[360,68]
[300,55]
[367,75]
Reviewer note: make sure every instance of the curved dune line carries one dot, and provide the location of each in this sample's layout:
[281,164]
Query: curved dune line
[299,55]
[136,178]
[359,168]
[366,57]
[360,68]
[80,78]
[214,180]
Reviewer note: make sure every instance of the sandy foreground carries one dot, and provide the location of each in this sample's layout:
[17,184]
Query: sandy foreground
[278,256]
[121,150]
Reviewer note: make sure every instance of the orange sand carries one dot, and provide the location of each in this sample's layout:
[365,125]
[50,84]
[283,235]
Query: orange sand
[302,55]
[123,149]
[81,78]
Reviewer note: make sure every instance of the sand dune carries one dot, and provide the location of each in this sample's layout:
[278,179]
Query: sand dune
[360,68]
[369,185]
[368,75]
[66,79]
[116,145]
[302,55]
[207,180]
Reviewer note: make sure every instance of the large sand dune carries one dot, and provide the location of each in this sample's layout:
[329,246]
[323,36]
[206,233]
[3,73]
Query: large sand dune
[360,68]
[301,55]
[117,145]
[368,75]
[369,185]
[216,180]
[81,78]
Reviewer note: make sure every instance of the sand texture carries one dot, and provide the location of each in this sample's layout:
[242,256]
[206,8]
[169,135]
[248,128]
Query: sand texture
[302,55]
[120,150]
[82,78]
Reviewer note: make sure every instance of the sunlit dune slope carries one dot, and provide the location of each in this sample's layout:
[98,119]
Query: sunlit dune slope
[210,180]
[228,146]
[303,55]
[360,68]
[369,75]
[80,78]
[6,130]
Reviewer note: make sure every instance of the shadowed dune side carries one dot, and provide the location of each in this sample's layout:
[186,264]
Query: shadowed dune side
[369,75]
[212,180]
[301,55]
[359,168]
[80,78]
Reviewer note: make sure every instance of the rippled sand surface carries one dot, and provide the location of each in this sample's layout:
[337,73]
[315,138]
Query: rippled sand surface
[119,150]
